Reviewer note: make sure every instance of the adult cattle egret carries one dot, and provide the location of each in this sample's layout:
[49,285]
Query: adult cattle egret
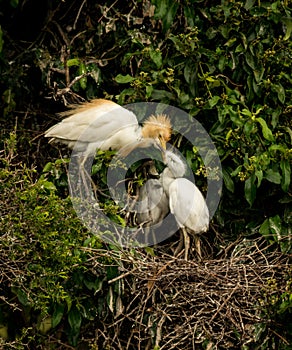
[186,202]
[102,124]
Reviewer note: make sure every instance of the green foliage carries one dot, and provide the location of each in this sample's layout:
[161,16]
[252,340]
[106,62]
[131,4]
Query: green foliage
[228,64]
[276,306]
[44,245]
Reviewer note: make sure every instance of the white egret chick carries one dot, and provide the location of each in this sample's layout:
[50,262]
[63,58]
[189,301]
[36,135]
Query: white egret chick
[153,203]
[102,124]
[186,202]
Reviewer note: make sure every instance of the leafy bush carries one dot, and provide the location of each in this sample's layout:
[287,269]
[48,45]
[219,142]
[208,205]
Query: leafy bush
[226,63]
[47,280]
[229,68]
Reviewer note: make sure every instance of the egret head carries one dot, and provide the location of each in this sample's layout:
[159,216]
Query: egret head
[159,128]
[174,164]
[144,143]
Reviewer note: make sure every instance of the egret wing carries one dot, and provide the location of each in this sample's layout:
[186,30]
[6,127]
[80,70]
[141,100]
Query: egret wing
[153,203]
[188,205]
[95,121]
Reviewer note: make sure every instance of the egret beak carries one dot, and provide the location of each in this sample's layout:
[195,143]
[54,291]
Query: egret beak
[145,143]
[163,157]
[163,144]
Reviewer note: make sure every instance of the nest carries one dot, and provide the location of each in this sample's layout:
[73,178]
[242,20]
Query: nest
[178,304]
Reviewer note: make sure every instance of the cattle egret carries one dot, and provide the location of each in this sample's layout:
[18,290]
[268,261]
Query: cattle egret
[186,202]
[153,203]
[172,192]
[102,124]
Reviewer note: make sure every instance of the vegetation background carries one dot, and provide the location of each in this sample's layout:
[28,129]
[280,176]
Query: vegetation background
[226,63]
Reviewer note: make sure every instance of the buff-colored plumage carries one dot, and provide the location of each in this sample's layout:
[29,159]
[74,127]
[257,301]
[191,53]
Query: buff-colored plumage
[103,124]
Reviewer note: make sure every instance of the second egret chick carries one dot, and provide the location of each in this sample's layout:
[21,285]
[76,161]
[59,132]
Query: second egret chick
[186,202]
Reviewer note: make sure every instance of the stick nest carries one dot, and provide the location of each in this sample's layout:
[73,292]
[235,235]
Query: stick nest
[178,304]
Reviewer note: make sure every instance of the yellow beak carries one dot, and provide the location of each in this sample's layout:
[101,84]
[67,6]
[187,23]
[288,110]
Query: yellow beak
[163,143]
[163,148]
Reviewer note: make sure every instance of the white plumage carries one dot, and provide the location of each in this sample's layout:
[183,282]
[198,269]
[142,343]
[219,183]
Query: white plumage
[174,193]
[153,203]
[103,124]
[186,202]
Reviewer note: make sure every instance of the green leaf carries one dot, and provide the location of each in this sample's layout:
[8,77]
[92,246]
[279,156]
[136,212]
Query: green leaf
[166,11]
[250,189]
[249,127]
[235,117]
[161,7]
[236,171]
[161,94]
[274,148]
[126,92]
[48,167]
[286,174]
[228,180]
[273,176]
[48,185]
[190,74]
[281,93]
[259,174]
[213,101]
[267,133]
[68,302]
[74,319]
[230,42]
[258,74]
[249,4]
[112,272]
[246,112]
[124,79]
[272,229]
[265,228]
[149,90]
[73,62]
[288,23]
[21,295]
[222,63]
[276,227]
[14,3]
[45,325]
[250,60]
[57,314]
[95,285]
[156,57]
[81,71]
[189,15]
[150,251]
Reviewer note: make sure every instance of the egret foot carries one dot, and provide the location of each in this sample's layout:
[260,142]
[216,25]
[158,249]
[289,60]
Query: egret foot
[198,246]
[184,241]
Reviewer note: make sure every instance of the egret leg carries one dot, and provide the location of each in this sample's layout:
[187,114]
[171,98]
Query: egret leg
[78,180]
[85,177]
[186,238]
[89,185]
[180,245]
[198,246]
